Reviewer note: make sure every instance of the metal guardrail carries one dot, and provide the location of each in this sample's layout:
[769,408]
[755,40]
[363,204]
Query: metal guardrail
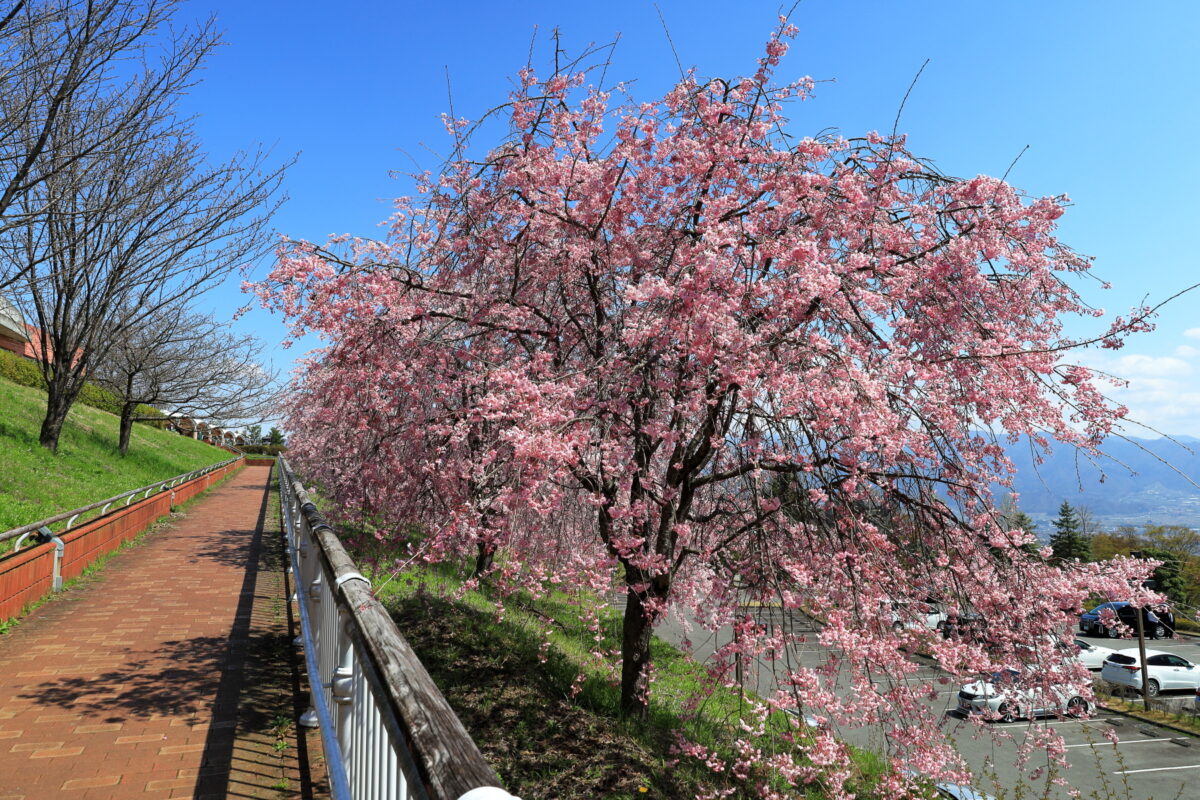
[146,491]
[387,731]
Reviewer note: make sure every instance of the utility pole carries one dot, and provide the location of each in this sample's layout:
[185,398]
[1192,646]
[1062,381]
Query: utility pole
[1141,628]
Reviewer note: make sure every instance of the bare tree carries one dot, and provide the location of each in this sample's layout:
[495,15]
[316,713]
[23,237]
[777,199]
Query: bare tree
[191,365]
[60,56]
[123,215]
[1089,526]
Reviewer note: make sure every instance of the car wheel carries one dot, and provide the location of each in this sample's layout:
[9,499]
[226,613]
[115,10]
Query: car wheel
[1007,713]
[1112,633]
[1160,631]
[1152,688]
[1076,707]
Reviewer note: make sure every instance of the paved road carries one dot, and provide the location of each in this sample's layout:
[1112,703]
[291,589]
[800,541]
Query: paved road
[148,681]
[1148,762]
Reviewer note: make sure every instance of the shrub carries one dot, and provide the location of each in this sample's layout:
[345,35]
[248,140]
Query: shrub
[264,449]
[24,372]
[20,370]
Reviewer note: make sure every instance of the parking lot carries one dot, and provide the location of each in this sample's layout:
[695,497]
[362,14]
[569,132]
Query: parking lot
[1146,762]
[1184,646]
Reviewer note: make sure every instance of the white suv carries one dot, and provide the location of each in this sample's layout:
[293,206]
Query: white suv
[1165,671]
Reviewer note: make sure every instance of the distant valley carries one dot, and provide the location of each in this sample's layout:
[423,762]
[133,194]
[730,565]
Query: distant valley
[1140,481]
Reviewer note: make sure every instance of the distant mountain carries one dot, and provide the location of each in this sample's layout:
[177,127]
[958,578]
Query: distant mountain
[1137,481]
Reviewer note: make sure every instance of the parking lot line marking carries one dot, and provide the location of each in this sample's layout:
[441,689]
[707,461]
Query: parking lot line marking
[1154,769]
[1120,741]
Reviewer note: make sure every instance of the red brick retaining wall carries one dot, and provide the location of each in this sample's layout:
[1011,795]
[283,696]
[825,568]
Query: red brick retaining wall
[26,576]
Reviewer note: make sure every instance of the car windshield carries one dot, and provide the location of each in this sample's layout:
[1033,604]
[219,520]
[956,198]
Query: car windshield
[1008,677]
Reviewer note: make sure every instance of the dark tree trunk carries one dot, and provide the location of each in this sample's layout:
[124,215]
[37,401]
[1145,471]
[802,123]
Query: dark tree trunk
[60,396]
[637,630]
[484,559]
[127,410]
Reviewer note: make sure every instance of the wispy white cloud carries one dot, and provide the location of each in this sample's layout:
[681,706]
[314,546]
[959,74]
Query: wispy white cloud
[1139,365]
[1162,392]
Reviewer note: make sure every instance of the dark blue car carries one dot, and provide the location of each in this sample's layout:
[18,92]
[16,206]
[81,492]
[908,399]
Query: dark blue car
[1156,627]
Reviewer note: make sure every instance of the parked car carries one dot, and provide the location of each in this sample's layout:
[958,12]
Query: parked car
[1086,653]
[956,791]
[1154,625]
[1007,696]
[1092,656]
[952,791]
[969,626]
[1164,671]
[925,615]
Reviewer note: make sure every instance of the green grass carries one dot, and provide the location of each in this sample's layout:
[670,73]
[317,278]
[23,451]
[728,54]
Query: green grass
[98,563]
[24,372]
[35,483]
[515,696]
[1187,720]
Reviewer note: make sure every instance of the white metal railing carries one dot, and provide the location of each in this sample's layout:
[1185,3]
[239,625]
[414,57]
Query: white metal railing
[387,731]
[103,505]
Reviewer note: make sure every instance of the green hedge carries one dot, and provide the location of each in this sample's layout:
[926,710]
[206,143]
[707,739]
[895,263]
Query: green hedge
[24,372]
[20,371]
[263,449]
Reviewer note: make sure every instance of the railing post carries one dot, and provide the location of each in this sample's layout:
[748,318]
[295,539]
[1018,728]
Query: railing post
[360,702]
[487,793]
[312,597]
[342,687]
[56,581]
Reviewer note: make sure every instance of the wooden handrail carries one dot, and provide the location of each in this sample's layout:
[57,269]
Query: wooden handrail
[443,753]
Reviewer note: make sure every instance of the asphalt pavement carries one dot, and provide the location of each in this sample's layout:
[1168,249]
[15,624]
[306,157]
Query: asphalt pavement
[1147,761]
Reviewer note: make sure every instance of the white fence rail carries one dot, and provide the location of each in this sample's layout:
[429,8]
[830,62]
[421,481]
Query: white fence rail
[103,505]
[388,733]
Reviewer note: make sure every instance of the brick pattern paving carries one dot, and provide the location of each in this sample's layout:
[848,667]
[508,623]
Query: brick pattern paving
[159,677]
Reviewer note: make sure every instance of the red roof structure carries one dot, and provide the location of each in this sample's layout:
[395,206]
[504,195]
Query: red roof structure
[18,336]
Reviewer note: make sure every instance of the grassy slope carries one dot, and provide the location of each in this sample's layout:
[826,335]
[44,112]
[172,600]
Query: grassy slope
[35,483]
[516,698]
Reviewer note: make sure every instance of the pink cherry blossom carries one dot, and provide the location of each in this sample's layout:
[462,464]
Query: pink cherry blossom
[665,346]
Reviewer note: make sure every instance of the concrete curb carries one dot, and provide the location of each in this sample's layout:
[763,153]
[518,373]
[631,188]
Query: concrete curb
[1156,723]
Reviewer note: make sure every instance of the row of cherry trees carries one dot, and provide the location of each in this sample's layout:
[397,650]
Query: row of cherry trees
[671,346]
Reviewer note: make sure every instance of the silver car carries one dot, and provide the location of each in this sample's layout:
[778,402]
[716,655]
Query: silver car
[956,791]
[1007,697]
[952,791]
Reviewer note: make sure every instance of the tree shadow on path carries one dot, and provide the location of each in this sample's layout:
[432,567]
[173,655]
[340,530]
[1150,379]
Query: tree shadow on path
[186,678]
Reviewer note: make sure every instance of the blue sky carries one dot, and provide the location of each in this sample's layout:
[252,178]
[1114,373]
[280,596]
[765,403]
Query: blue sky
[1105,94]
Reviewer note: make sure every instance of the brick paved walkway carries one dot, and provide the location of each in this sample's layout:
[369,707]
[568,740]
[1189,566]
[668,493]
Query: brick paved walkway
[160,676]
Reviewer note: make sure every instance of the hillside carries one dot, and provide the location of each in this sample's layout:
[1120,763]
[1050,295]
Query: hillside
[35,483]
[1140,481]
